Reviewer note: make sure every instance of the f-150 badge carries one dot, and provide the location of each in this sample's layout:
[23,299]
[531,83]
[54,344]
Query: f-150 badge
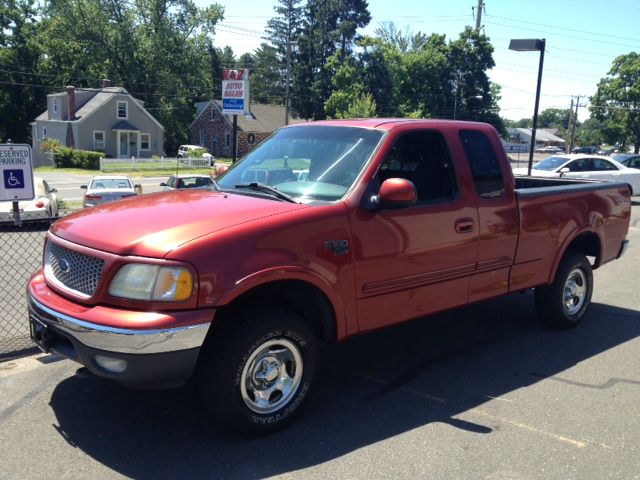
[339,247]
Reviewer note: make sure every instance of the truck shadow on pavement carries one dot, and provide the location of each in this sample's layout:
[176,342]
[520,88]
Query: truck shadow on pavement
[372,388]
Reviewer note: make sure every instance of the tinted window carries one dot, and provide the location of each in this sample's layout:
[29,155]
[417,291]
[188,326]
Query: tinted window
[421,157]
[484,164]
[581,165]
[600,164]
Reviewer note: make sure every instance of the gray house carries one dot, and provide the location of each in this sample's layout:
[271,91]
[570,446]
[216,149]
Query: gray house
[108,120]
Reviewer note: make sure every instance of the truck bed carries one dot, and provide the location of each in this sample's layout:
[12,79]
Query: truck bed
[551,210]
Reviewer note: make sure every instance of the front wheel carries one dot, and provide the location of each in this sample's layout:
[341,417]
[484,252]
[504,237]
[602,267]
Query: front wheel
[564,303]
[257,371]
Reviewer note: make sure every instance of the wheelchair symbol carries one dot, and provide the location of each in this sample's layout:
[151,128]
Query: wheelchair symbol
[13,179]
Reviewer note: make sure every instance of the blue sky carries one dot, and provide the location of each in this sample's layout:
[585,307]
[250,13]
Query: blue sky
[583,37]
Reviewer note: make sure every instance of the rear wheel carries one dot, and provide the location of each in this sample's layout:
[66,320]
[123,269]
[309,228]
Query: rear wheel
[256,372]
[564,303]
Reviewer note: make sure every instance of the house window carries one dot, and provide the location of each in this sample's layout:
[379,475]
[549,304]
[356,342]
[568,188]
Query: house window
[213,113]
[227,139]
[122,110]
[202,139]
[44,132]
[98,140]
[55,105]
[145,141]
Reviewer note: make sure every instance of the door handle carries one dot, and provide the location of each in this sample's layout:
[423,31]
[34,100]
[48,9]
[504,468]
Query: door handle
[464,225]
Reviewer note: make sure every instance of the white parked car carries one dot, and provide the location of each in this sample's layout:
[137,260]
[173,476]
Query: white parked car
[43,206]
[593,167]
[108,188]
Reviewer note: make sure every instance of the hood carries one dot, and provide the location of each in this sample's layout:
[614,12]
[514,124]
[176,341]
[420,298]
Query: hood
[152,225]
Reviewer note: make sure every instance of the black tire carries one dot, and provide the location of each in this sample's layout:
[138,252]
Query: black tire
[565,302]
[257,371]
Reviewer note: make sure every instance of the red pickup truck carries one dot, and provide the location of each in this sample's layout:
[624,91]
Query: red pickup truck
[324,231]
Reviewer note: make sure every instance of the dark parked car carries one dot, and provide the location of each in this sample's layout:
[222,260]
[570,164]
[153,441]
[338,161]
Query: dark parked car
[588,150]
[631,160]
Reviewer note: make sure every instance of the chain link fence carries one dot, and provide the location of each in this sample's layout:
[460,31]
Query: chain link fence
[20,256]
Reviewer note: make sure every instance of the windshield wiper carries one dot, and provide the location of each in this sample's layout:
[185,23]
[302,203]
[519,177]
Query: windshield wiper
[261,187]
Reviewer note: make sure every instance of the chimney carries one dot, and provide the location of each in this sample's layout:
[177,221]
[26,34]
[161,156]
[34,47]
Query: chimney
[71,102]
[106,83]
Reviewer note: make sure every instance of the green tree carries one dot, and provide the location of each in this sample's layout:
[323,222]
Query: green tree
[266,81]
[618,98]
[283,32]
[328,26]
[470,58]
[554,118]
[21,97]
[159,50]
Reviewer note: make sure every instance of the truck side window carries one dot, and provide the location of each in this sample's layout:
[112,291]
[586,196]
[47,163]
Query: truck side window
[484,164]
[422,157]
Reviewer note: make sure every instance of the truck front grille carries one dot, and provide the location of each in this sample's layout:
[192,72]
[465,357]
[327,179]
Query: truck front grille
[71,270]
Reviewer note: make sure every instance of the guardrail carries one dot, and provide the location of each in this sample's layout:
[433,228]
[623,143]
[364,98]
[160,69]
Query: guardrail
[162,163]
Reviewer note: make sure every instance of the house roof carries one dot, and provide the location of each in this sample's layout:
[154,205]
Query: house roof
[100,98]
[542,135]
[264,118]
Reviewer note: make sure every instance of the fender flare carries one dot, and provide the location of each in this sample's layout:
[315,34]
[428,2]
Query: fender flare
[565,246]
[283,273]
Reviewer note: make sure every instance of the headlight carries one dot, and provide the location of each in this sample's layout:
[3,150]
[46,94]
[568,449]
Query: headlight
[151,282]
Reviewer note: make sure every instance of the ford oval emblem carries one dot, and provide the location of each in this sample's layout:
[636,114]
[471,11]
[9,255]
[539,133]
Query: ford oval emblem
[64,265]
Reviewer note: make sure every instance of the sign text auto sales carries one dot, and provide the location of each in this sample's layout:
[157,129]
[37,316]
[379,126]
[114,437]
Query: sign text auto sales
[235,91]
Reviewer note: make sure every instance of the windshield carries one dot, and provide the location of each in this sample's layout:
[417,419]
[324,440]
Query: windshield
[110,183]
[307,163]
[550,163]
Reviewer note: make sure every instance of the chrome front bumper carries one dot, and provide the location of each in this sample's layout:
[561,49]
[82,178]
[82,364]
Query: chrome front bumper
[119,340]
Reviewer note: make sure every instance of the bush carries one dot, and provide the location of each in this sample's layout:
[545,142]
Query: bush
[66,157]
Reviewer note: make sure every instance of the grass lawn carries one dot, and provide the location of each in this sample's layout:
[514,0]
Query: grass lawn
[152,171]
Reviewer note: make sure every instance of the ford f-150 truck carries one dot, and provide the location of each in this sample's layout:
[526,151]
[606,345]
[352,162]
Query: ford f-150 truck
[323,231]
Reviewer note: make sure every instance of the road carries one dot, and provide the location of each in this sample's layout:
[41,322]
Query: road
[482,392]
[68,184]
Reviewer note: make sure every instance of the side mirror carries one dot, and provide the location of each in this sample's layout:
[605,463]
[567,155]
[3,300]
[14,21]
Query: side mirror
[54,190]
[138,188]
[564,170]
[397,193]
[163,184]
[84,187]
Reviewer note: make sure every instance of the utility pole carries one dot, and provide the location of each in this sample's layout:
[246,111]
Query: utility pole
[480,8]
[573,127]
[287,86]
[570,126]
[286,100]
[458,74]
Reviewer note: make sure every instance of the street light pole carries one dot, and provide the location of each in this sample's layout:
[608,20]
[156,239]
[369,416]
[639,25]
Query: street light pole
[529,45]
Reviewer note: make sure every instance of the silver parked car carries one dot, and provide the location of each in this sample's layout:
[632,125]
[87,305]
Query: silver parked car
[108,188]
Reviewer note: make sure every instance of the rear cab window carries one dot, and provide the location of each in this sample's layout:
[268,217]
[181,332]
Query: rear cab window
[487,174]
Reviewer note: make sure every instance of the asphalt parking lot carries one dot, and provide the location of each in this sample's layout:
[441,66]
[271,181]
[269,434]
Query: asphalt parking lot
[481,392]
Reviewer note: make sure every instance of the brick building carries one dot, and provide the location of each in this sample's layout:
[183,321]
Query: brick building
[213,130]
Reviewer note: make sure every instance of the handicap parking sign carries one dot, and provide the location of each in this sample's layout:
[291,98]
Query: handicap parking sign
[13,178]
[16,173]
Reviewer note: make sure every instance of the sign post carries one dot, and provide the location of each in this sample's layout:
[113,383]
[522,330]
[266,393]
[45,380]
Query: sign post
[16,176]
[235,98]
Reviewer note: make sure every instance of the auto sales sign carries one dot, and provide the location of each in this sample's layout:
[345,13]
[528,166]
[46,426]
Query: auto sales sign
[235,91]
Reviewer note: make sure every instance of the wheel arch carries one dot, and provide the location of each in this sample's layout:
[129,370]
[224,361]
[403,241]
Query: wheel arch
[587,242]
[299,295]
